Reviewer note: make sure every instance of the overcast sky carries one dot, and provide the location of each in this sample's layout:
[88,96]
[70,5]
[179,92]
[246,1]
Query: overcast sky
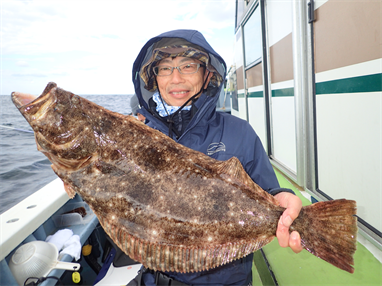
[88,47]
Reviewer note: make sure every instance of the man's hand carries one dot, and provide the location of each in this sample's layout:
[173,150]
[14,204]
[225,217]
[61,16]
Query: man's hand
[293,206]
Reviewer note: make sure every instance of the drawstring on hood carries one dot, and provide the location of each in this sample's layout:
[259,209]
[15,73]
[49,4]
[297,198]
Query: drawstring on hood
[170,120]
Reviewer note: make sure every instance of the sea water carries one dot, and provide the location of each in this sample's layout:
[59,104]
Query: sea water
[23,169]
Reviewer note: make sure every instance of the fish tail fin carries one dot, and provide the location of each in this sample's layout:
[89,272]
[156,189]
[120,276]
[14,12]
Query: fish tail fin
[329,231]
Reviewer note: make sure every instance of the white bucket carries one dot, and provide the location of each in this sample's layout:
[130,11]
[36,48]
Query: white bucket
[37,259]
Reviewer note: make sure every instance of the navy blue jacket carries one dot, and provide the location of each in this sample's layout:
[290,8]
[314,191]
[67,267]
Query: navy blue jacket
[220,136]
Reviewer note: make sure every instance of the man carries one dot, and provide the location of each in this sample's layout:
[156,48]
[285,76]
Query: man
[178,78]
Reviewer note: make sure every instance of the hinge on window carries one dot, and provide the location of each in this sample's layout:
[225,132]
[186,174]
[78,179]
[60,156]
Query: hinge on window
[311,11]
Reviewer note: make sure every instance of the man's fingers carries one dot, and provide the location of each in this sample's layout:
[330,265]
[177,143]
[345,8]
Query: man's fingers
[286,220]
[293,206]
[295,242]
[282,233]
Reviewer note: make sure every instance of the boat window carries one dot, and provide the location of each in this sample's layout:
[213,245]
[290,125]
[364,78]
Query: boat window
[239,12]
[252,39]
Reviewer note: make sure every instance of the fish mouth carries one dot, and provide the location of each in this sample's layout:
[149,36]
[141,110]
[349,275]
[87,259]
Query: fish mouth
[21,99]
[34,107]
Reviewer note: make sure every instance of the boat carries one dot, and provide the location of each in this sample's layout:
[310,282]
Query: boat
[44,213]
[303,117]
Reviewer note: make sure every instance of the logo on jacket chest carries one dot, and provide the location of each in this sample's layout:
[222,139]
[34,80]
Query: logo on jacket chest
[215,147]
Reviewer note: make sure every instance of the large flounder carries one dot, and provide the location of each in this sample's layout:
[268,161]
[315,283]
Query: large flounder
[167,206]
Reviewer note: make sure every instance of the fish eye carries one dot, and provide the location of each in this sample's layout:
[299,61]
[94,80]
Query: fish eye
[58,107]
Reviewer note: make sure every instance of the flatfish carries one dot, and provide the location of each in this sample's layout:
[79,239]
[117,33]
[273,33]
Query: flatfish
[167,206]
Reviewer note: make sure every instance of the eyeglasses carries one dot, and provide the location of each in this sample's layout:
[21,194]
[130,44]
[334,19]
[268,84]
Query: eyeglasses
[190,68]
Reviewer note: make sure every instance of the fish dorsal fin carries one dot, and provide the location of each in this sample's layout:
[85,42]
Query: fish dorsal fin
[234,169]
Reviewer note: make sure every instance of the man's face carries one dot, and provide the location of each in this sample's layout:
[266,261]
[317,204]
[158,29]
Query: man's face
[177,88]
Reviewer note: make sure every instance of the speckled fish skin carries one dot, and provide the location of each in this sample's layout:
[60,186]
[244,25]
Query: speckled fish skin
[167,206]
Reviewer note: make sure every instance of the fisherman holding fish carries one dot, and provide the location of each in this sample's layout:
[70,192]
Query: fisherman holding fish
[178,78]
[187,208]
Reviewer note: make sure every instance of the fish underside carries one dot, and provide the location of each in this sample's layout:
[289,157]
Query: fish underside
[167,206]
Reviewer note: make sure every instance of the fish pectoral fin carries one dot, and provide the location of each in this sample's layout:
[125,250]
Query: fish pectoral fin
[233,168]
[69,190]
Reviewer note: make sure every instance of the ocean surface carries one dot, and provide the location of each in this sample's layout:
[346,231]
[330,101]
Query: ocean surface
[23,169]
